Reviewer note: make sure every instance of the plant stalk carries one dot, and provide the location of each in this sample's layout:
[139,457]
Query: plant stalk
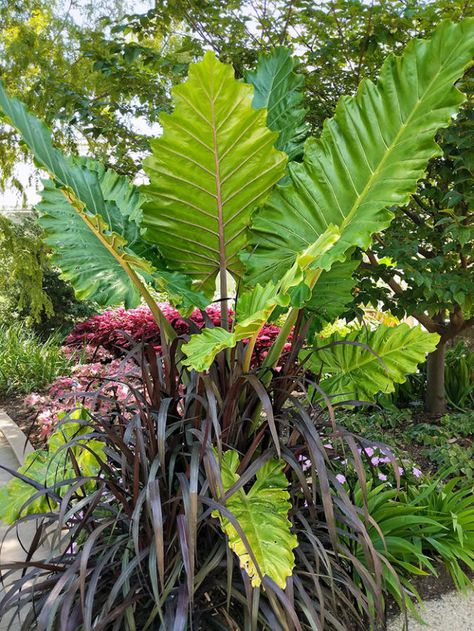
[160,319]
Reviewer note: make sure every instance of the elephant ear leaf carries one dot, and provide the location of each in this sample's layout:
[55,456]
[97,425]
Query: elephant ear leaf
[332,293]
[89,215]
[279,88]
[369,157]
[262,514]
[364,363]
[214,163]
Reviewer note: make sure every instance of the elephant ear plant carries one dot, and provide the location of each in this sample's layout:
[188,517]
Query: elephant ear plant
[213,455]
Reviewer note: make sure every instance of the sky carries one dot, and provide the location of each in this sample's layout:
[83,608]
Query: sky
[24,172]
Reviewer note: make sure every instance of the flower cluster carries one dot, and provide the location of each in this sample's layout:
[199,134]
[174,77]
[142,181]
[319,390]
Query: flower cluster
[377,462]
[67,392]
[115,331]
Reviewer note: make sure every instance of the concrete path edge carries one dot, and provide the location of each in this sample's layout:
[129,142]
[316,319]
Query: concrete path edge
[19,443]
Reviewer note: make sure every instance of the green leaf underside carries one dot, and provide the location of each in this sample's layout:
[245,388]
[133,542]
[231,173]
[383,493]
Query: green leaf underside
[213,164]
[262,513]
[48,468]
[90,267]
[369,156]
[332,292]
[353,372]
[279,89]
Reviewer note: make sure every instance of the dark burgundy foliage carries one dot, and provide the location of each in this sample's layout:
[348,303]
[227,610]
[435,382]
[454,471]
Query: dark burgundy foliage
[116,330]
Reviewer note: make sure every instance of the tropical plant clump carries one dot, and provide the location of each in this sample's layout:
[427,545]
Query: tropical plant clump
[204,459]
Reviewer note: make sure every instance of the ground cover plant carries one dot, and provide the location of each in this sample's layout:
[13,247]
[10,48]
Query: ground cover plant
[211,455]
[444,445]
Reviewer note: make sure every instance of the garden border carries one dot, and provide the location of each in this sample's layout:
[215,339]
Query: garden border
[19,443]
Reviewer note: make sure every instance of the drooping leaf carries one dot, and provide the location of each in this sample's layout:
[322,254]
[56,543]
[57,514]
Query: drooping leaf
[86,262]
[203,347]
[104,200]
[213,164]
[353,372]
[369,156]
[91,216]
[262,514]
[47,468]
[278,88]
[332,292]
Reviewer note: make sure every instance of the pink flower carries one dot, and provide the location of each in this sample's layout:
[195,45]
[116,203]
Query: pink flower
[341,478]
[417,472]
[369,451]
[305,462]
[382,477]
[375,461]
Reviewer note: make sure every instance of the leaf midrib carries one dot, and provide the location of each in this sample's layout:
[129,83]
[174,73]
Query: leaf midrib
[376,173]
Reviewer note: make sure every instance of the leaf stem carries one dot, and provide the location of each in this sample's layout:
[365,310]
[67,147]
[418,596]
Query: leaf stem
[159,316]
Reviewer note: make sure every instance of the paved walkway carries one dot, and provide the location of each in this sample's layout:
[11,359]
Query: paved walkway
[451,612]
[11,549]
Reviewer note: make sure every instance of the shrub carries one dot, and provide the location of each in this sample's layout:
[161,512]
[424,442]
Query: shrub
[414,527]
[144,536]
[32,291]
[118,329]
[26,362]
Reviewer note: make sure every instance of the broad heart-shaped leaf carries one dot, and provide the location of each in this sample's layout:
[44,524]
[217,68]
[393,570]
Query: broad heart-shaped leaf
[50,467]
[279,88]
[211,167]
[353,372]
[369,156]
[262,514]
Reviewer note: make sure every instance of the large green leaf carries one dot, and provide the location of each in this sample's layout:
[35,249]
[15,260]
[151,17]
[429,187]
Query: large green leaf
[213,164]
[369,156]
[86,262]
[47,468]
[279,89]
[89,215]
[332,292]
[350,371]
[262,514]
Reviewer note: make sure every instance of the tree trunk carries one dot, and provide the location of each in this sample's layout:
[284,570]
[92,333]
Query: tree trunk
[435,402]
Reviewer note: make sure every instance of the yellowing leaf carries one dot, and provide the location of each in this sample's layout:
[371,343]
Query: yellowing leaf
[262,513]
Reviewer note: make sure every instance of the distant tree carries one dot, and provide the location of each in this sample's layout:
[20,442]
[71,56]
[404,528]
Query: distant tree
[90,77]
